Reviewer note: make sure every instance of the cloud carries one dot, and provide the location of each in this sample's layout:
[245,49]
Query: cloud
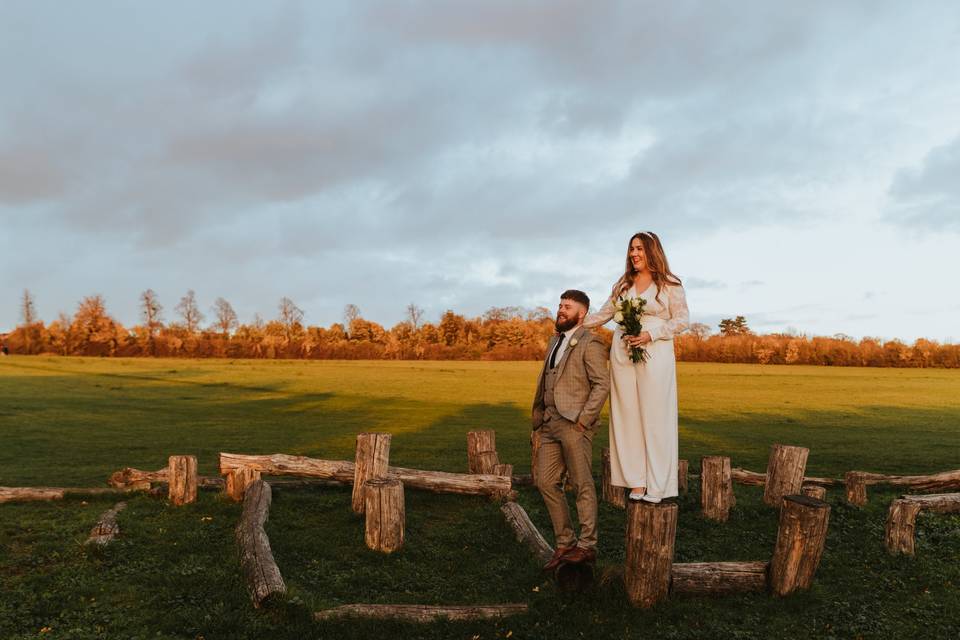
[927,196]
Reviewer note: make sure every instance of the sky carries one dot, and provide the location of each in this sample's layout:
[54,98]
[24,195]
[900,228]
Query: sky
[800,161]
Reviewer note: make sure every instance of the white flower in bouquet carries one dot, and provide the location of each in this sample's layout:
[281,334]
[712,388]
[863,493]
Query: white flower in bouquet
[618,317]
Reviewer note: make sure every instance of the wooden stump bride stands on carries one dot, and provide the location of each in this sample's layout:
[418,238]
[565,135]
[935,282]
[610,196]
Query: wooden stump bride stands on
[383,503]
[372,463]
[651,534]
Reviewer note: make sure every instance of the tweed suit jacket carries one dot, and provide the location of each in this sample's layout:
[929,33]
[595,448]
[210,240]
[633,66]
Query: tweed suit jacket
[582,381]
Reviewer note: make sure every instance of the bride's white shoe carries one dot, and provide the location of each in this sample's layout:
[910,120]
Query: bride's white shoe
[636,497]
[647,497]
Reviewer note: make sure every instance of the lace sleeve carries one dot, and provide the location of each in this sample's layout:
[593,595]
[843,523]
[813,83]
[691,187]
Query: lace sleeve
[603,316]
[679,315]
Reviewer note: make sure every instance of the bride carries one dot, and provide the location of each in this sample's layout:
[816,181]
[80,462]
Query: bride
[643,396]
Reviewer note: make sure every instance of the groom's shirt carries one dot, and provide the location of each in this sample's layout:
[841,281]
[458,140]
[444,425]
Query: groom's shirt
[562,347]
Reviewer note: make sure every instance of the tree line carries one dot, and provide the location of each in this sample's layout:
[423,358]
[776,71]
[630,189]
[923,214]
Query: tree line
[501,333]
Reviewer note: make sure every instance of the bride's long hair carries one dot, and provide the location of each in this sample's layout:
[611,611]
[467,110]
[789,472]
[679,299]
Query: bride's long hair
[656,263]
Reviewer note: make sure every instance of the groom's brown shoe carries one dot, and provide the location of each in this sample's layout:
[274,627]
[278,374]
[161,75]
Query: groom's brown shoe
[557,558]
[579,554]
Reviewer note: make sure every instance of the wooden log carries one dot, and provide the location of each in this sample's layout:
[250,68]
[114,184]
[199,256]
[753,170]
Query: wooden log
[182,488]
[343,471]
[421,612]
[718,578]
[526,532]
[256,558]
[534,450]
[855,487]
[373,458]
[132,479]
[482,451]
[683,471]
[857,481]
[33,494]
[716,488]
[814,491]
[900,530]
[651,534]
[385,514]
[801,537]
[785,469]
[237,481]
[745,476]
[938,503]
[106,528]
[617,496]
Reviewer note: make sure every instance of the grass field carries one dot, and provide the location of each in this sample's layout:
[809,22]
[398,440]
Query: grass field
[70,422]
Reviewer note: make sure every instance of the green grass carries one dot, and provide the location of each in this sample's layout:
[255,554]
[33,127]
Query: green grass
[174,573]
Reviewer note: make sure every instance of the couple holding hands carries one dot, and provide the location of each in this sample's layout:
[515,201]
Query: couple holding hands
[641,381]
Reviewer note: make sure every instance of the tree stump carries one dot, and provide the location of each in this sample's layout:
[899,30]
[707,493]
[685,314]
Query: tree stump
[237,481]
[900,531]
[683,469]
[385,514]
[785,469]
[716,492]
[534,450]
[617,496]
[651,534]
[503,469]
[183,479]
[855,484]
[814,491]
[801,537]
[372,460]
[478,443]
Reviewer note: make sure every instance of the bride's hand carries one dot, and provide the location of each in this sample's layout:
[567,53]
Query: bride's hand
[637,341]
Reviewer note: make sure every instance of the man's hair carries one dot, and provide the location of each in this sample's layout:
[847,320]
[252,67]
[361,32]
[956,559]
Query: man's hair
[576,295]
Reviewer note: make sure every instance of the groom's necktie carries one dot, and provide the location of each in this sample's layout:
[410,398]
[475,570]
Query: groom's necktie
[553,356]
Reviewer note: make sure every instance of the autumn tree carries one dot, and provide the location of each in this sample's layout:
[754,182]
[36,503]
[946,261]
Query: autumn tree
[291,317]
[225,315]
[190,312]
[95,331]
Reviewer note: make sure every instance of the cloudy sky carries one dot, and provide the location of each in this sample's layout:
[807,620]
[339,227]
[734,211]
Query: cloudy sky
[800,161]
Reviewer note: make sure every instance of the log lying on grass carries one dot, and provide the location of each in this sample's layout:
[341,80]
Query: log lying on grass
[420,612]
[747,477]
[136,479]
[900,531]
[857,481]
[106,528]
[718,578]
[526,532]
[31,494]
[280,464]
[256,558]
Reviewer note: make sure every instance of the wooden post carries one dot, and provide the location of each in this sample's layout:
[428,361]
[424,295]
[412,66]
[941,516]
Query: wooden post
[503,469]
[651,534]
[237,482]
[385,514]
[683,469]
[534,450]
[481,442]
[900,531]
[256,558]
[785,469]
[372,460]
[814,491]
[183,479]
[716,487]
[617,496]
[800,540]
[855,484]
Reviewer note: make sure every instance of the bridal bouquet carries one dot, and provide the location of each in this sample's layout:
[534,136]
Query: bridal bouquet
[627,316]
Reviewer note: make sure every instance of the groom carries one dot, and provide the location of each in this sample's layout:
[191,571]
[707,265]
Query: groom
[572,389]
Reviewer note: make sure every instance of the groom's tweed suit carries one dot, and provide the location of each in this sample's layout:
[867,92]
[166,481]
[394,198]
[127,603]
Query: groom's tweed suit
[575,390]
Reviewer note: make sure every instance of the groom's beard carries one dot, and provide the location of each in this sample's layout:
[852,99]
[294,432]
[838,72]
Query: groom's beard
[566,324]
